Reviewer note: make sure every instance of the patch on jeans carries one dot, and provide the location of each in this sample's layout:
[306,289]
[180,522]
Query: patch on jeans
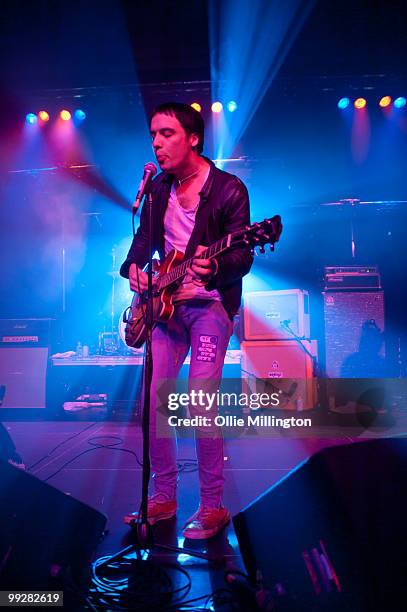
[207,348]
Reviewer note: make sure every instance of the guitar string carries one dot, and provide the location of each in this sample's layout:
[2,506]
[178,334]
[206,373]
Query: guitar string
[180,270]
[169,277]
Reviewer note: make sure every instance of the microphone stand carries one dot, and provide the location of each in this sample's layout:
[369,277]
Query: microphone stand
[142,528]
[316,372]
[315,368]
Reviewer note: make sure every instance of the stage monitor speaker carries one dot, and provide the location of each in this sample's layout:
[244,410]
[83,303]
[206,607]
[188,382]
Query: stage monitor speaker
[264,311]
[346,316]
[23,372]
[332,534]
[44,533]
[289,367]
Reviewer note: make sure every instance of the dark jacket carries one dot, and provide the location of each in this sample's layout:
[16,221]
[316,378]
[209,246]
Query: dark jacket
[223,208]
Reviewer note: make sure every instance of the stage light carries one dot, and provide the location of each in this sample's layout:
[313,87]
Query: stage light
[359,103]
[400,102]
[31,119]
[343,103]
[196,106]
[43,116]
[232,106]
[65,115]
[79,115]
[217,107]
[385,101]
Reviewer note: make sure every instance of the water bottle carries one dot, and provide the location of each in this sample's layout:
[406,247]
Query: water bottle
[79,349]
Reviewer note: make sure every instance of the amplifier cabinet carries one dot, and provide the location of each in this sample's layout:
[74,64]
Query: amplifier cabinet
[339,278]
[284,365]
[346,314]
[25,332]
[23,373]
[264,312]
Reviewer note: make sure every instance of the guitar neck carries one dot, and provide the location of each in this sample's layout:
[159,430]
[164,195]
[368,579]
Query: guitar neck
[257,234]
[178,272]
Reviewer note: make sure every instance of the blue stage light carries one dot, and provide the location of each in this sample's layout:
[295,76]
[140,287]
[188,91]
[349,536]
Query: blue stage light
[232,106]
[79,115]
[31,118]
[343,103]
[400,102]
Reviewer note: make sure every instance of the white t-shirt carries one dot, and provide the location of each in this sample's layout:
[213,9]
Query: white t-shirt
[178,226]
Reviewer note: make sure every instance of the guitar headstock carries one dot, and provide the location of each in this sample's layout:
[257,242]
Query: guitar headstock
[259,234]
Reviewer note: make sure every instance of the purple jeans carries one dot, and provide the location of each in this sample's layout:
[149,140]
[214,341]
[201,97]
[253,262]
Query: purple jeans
[171,342]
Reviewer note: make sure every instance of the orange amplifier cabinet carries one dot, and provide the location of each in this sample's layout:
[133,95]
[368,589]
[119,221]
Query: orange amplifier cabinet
[286,366]
[265,311]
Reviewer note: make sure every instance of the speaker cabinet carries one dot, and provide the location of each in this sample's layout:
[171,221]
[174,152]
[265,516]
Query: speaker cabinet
[264,312]
[347,318]
[26,332]
[43,533]
[331,535]
[289,366]
[23,372]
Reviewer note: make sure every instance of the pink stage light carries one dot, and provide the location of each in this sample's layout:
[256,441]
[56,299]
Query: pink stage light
[360,103]
[65,115]
[43,116]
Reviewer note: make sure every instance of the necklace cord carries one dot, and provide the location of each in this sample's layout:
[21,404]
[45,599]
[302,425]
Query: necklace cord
[180,181]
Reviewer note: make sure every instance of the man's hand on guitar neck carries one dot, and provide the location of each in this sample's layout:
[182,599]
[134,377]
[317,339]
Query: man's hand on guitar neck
[138,279]
[202,270]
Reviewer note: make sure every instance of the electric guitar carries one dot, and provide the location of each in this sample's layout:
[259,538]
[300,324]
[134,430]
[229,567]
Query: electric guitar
[174,268]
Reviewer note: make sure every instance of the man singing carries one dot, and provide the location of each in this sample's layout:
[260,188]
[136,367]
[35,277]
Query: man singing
[194,205]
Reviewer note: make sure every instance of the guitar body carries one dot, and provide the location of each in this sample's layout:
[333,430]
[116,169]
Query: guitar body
[163,308]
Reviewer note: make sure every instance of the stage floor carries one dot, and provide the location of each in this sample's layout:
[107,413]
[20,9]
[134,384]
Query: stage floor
[97,463]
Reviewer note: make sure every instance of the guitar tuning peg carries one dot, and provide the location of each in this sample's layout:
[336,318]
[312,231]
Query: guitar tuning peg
[252,251]
[272,248]
[262,249]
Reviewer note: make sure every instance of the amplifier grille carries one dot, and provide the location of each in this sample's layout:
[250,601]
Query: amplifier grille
[345,316]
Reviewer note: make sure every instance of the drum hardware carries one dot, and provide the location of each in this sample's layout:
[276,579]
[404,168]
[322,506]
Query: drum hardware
[354,204]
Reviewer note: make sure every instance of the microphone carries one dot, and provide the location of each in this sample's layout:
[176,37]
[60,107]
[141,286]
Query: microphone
[150,170]
[285,323]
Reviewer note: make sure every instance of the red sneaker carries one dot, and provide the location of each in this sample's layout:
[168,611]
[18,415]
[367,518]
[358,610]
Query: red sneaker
[158,509]
[206,523]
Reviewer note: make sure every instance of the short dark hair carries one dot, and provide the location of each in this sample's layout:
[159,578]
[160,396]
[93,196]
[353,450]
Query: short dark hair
[188,117]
